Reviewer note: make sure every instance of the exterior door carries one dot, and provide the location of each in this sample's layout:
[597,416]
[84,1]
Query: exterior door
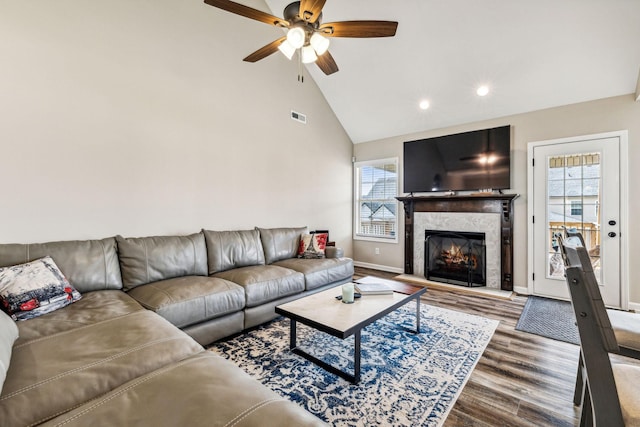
[576,186]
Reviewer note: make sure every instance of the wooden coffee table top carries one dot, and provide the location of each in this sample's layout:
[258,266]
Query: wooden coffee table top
[324,312]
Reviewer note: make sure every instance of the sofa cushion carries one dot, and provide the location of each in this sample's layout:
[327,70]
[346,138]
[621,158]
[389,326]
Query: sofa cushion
[312,245]
[280,243]
[54,374]
[320,272]
[265,283]
[233,249]
[187,300]
[625,326]
[201,391]
[89,265]
[35,288]
[94,307]
[8,335]
[150,259]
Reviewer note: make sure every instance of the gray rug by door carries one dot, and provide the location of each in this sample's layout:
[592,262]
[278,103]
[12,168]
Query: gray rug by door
[549,318]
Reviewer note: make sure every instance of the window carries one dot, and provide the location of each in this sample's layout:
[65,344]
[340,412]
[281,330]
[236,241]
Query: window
[376,186]
[576,208]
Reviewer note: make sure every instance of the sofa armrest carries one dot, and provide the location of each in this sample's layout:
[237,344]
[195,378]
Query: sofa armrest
[333,252]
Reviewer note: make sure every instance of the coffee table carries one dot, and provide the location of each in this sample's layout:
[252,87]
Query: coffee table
[322,311]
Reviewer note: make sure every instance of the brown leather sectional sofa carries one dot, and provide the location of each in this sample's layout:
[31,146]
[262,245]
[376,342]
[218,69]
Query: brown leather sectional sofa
[130,351]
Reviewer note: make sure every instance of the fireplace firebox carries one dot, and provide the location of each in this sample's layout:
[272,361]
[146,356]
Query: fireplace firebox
[455,257]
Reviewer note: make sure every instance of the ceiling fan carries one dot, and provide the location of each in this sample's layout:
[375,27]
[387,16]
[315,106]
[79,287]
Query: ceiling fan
[306,32]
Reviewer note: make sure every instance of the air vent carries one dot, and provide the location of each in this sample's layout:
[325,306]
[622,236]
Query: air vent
[299,117]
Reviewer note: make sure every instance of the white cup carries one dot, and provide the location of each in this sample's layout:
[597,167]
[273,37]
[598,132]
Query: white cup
[347,293]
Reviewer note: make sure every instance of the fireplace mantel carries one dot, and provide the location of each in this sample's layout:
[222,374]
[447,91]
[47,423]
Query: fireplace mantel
[478,203]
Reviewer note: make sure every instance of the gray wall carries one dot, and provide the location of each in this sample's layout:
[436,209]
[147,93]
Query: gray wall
[611,114]
[140,118]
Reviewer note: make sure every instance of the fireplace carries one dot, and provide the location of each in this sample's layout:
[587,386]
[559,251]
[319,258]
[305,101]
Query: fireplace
[455,257]
[499,249]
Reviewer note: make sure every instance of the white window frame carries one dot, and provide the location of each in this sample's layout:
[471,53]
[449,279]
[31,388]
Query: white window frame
[357,200]
[575,204]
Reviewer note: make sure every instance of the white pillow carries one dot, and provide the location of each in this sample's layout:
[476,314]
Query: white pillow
[35,288]
[8,335]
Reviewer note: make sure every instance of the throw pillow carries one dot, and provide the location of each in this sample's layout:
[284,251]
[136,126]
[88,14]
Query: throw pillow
[35,288]
[312,245]
[8,335]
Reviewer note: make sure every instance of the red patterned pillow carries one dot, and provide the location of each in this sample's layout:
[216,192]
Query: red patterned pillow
[35,288]
[312,245]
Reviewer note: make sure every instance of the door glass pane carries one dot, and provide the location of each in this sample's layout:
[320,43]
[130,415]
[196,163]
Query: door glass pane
[573,201]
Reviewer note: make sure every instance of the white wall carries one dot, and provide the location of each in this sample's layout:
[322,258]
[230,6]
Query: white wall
[140,118]
[605,115]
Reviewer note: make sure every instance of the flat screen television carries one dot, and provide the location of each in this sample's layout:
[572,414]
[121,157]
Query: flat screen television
[469,161]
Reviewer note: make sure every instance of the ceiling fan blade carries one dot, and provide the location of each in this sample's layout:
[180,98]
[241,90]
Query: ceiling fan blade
[359,29]
[310,9]
[265,51]
[327,64]
[247,12]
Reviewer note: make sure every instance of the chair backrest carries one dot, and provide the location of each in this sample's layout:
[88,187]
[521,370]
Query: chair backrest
[572,232]
[597,338]
[575,254]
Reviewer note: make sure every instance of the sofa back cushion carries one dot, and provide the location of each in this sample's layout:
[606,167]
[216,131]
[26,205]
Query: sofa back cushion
[150,259]
[89,265]
[280,243]
[233,249]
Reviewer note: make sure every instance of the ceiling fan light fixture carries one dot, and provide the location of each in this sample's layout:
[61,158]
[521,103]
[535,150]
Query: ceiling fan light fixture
[296,37]
[308,55]
[287,49]
[319,43]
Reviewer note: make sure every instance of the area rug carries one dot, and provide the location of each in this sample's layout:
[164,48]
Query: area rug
[407,379]
[549,318]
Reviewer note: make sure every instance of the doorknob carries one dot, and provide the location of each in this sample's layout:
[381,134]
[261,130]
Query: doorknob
[611,234]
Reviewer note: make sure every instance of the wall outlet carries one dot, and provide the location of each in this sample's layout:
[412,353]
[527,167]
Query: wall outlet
[377,251]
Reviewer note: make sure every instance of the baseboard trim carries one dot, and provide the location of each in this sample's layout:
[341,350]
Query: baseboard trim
[378,267]
[634,306]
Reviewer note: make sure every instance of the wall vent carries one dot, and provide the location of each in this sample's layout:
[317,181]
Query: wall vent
[299,117]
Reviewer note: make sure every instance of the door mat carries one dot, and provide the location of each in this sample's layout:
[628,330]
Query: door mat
[549,318]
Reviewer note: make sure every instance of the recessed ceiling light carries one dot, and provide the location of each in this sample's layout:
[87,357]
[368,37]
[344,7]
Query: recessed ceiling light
[424,104]
[482,90]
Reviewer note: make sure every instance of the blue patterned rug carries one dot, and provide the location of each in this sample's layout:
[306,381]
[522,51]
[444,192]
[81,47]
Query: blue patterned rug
[407,379]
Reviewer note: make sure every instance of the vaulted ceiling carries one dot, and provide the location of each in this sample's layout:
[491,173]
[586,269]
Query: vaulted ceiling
[531,54]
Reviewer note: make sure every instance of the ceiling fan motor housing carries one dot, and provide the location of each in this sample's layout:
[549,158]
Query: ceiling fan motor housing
[292,13]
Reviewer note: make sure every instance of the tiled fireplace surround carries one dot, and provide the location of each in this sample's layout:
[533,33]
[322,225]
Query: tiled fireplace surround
[487,223]
[491,214]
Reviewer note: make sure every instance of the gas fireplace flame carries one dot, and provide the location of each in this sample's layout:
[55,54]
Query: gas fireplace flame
[455,256]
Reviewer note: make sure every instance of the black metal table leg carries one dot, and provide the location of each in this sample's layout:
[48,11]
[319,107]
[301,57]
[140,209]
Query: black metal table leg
[418,315]
[356,356]
[292,335]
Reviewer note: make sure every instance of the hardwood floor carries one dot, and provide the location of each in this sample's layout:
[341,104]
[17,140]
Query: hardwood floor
[521,379]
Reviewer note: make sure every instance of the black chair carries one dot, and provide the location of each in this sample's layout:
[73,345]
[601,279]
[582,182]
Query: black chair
[608,392]
[626,325]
